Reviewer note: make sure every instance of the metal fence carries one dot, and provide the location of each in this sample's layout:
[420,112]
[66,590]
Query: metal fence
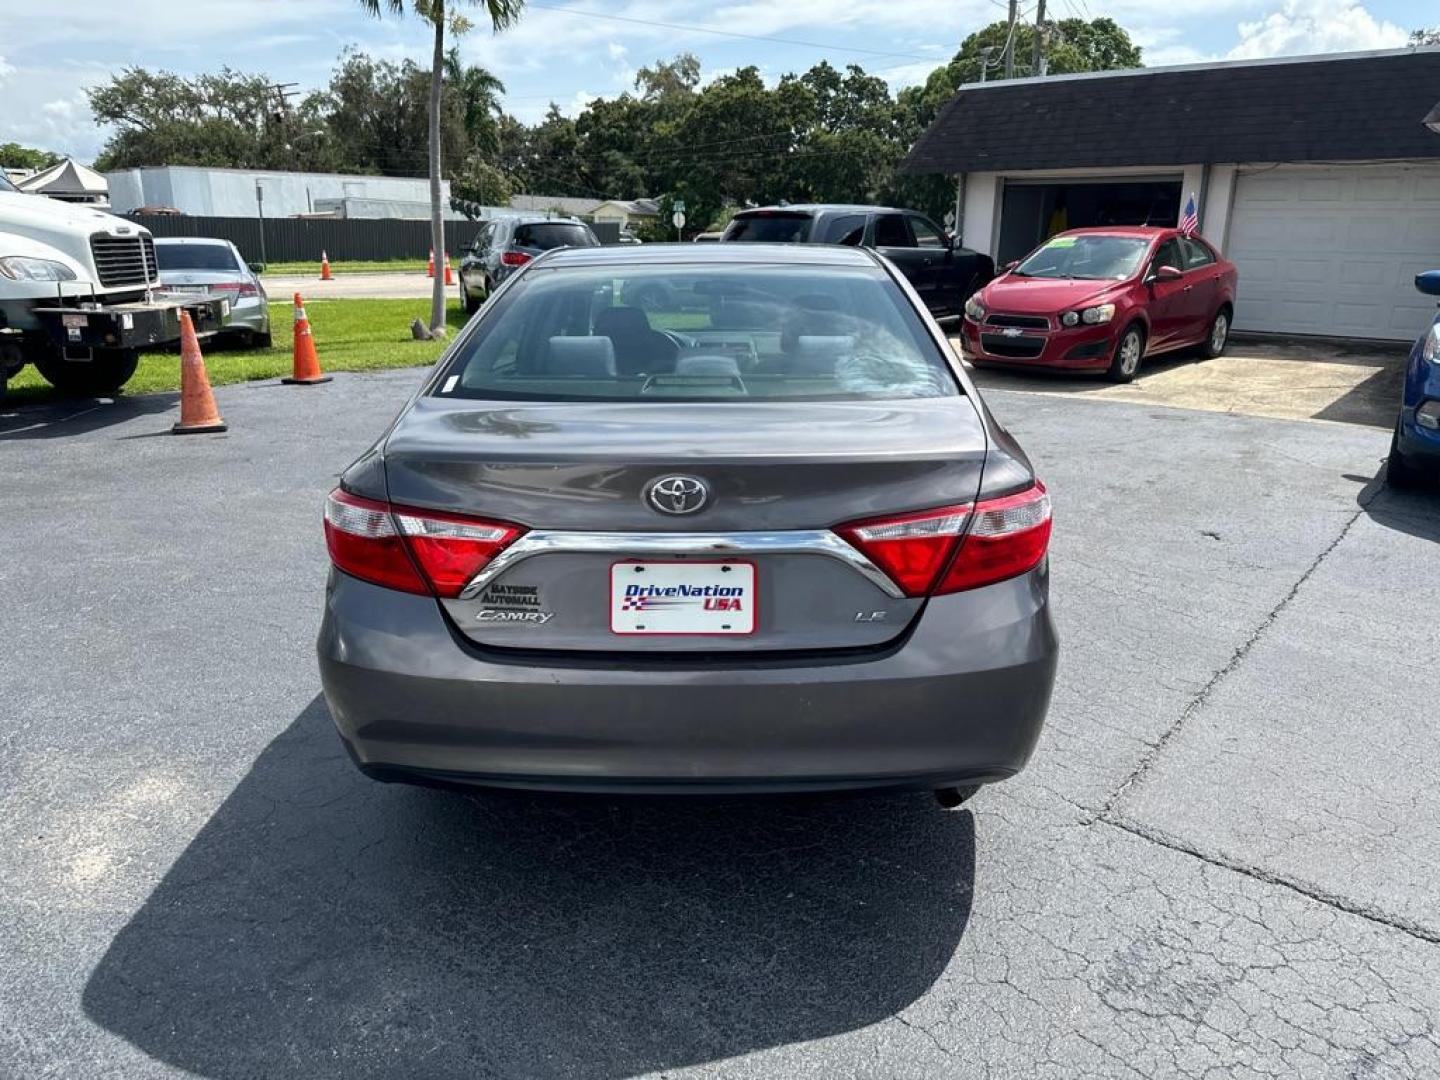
[303,239]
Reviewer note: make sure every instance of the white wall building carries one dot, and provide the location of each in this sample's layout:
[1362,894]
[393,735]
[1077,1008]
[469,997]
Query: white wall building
[215,192]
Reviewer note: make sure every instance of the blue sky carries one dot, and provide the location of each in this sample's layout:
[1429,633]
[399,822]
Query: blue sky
[569,51]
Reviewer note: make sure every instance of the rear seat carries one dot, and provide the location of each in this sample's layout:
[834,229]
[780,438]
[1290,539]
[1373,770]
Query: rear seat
[590,356]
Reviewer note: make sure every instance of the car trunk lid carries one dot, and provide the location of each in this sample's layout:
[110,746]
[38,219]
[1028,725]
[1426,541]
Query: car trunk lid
[779,477]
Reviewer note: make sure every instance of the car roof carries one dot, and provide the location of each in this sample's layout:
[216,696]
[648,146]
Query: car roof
[539,219]
[729,254]
[1139,232]
[818,208]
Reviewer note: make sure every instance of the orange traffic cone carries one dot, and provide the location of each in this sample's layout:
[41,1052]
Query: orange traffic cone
[198,413]
[449,277]
[324,266]
[307,364]
[430,270]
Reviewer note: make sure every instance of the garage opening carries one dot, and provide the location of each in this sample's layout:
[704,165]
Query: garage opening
[1033,211]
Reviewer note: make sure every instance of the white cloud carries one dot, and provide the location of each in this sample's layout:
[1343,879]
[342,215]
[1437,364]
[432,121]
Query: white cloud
[1315,26]
[577,104]
[909,74]
[6,70]
[616,50]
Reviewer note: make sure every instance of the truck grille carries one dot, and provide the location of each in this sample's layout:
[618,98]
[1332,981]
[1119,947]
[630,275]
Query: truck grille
[124,260]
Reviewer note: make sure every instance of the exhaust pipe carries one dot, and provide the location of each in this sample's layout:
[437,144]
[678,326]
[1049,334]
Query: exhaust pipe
[951,797]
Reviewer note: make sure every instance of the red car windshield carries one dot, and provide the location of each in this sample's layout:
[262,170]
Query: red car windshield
[1088,257]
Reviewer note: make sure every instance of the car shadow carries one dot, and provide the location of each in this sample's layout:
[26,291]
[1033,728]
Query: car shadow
[65,418]
[322,925]
[1414,512]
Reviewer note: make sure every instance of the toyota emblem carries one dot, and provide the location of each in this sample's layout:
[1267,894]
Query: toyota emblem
[678,494]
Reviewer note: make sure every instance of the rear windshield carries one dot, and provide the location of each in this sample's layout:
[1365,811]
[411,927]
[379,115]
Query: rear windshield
[770,228]
[554,235]
[700,333]
[1086,256]
[195,257]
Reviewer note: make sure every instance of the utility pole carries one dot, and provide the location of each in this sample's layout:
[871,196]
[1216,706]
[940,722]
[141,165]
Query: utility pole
[1010,40]
[1038,61]
[985,52]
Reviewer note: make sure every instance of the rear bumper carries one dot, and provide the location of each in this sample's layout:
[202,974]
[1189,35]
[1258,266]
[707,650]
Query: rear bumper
[960,699]
[250,315]
[1081,348]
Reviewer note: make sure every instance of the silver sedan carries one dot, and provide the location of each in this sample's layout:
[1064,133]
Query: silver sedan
[190,264]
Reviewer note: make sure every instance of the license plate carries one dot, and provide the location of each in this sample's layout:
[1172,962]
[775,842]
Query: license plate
[685,598]
[74,322]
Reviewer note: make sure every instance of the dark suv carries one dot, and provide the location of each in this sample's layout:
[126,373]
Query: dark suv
[505,244]
[942,272]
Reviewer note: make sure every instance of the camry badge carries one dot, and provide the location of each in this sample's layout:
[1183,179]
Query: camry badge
[678,494]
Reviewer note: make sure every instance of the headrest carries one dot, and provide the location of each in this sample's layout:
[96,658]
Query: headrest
[621,320]
[816,354]
[592,356]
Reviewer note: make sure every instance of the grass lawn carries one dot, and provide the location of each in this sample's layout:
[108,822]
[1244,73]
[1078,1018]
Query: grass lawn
[350,335]
[397,266]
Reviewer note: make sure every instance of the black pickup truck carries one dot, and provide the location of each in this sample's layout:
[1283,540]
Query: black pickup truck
[942,271]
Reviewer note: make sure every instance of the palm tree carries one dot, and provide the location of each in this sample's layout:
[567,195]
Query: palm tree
[502,14]
[480,96]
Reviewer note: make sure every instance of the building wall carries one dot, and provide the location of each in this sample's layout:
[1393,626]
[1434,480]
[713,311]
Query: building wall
[1219,201]
[231,192]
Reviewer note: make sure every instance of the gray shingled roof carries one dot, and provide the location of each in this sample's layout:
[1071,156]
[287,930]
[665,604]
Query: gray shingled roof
[1354,107]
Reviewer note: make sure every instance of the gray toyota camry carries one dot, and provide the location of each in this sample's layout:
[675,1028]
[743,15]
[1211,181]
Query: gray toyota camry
[693,518]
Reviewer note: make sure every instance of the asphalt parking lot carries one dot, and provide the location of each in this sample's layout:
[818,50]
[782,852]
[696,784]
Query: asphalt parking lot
[1223,860]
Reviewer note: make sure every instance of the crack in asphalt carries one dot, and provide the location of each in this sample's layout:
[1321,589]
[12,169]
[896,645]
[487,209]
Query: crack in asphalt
[1109,815]
[1323,896]
[1152,754]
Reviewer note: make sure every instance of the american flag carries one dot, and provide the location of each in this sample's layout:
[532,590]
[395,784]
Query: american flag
[1189,220]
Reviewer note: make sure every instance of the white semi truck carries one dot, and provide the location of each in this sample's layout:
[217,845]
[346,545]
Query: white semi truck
[76,295]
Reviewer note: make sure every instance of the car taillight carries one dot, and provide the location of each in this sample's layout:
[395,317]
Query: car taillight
[418,551]
[514,258]
[911,549]
[996,539]
[239,288]
[1007,537]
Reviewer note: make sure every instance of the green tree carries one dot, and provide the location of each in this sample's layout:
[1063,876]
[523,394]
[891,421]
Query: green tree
[15,156]
[479,95]
[669,80]
[1072,45]
[228,119]
[376,114]
[501,14]
[478,183]
[1425,37]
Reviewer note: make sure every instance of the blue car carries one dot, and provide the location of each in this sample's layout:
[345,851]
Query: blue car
[1415,449]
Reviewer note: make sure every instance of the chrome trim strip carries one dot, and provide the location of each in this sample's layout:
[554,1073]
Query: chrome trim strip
[798,542]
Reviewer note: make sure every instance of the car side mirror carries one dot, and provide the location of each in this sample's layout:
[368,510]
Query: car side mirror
[1428,282]
[257,267]
[1166,273]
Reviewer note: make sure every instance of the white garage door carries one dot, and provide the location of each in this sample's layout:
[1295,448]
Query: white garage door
[1334,250]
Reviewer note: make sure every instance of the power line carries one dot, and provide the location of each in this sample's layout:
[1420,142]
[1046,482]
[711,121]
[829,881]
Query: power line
[727,33]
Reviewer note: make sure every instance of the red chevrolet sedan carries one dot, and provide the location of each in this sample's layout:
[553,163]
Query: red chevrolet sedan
[1102,300]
